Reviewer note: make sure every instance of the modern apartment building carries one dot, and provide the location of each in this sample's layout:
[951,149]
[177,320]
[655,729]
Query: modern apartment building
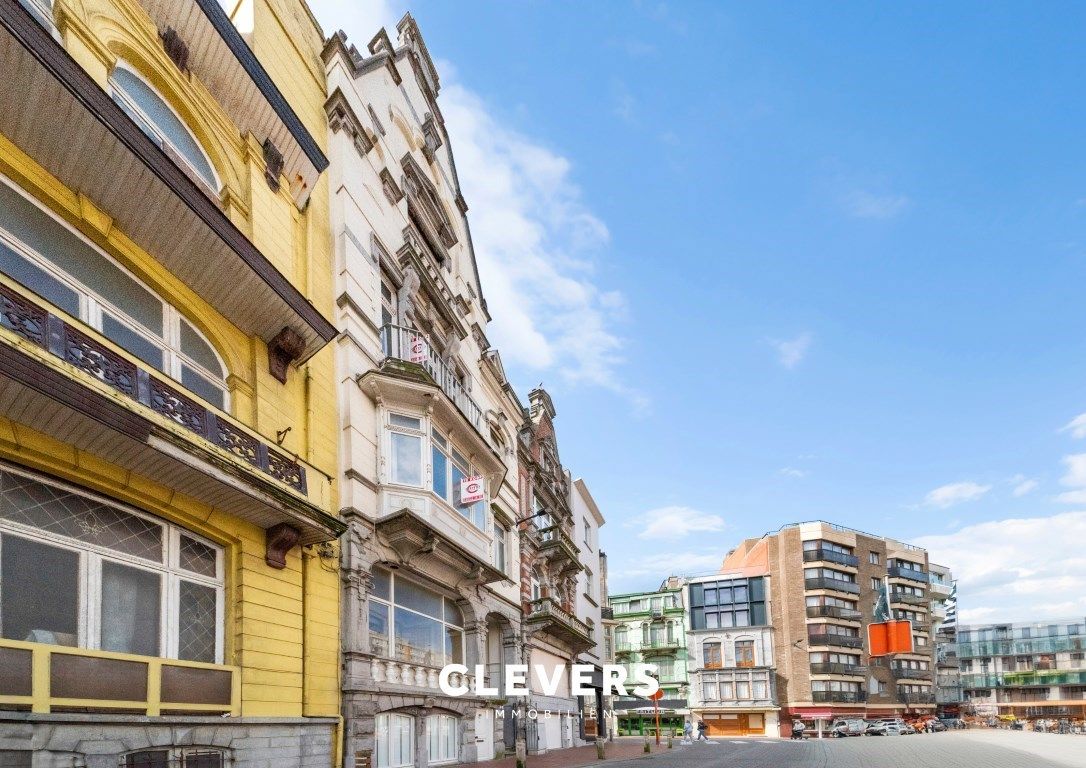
[430,428]
[944,611]
[1028,671]
[552,567]
[168,590]
[732,677]
[650,628]
[591,594]
[826,580]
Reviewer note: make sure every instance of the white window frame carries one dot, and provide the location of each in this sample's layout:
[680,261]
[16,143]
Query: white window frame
[442,722]
[115,90]
[91,558]
[392,606]
[421,436]
[92,304]
[383,740]
[501,547]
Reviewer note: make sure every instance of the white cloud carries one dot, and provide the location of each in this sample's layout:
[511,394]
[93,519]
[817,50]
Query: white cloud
[790,352]
[1023,487]
[674,523]
[537,244]
[793,472]
[862,204]
[360,19]
[1075,476]
[1016,569]
[1076,426]
[955,493]
[650,570]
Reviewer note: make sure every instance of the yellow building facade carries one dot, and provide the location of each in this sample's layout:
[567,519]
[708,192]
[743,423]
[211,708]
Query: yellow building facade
[169,593]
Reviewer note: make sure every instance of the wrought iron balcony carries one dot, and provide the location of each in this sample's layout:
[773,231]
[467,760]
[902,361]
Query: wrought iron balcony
[839,697]
[607,612]
[833,612]
[412,346]
[548,614]
[841,641]
[830,556]
[912,574]
[834,668]
[821,582]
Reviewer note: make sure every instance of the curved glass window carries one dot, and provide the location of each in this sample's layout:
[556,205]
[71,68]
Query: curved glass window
[155,118]
[415,624]
[50,259]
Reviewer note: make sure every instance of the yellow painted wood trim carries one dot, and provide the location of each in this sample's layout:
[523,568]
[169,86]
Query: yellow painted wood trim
[40,678]
[154,688]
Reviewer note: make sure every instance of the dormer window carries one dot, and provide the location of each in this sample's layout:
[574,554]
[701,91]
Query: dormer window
[156,118]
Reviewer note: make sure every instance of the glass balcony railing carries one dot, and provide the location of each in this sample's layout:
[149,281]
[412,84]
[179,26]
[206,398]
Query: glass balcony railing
[821,582]
[912,574]
[840,641]
[839,697]
[832,612]
[1022,647]
[834,668]
[830,556]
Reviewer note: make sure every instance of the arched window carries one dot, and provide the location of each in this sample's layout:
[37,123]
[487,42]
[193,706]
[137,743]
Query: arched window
[62,267]
[154,116]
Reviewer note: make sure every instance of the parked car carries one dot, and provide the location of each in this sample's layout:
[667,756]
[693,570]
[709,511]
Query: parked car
[937,725]
[876,728]
[898,729]
[848,727]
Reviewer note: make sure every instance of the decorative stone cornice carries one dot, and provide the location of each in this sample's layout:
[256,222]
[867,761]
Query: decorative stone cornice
[341,117]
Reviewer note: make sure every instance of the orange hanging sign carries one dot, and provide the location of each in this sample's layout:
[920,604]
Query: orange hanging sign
[887,637]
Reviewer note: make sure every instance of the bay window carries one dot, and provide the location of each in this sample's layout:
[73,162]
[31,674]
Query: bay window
[116,579]
[405,463]
[395,737]
[416,624]
[443,734]
[500,544]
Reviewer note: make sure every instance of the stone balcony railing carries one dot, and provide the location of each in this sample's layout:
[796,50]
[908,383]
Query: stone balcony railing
[414,675]
[548,614]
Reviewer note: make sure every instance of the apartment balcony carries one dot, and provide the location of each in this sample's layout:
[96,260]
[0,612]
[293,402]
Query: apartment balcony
[980,680]
[837,585]
[910,602]
[408,345]
[833,668]
[545,613]
[830,556]
[839,697]
[838,641]
[142,191]
[908,673]
[909,574]
[607,613]
[46,678]
[1022,647]
[662,645]
[939,588]
[916,698]
[67,380]
[833,612]
[1046,677]
[622,648]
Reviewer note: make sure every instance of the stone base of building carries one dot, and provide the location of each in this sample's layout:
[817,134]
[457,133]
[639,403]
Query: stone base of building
[103,741]
[556,724]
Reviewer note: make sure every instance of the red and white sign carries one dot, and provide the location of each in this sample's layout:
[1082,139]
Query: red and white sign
[472,489]
[418,349]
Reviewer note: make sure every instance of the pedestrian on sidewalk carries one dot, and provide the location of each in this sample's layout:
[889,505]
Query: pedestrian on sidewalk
[797,729]
[702,728]
[688,730]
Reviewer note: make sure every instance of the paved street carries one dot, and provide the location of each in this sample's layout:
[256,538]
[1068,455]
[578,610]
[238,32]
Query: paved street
[968,749]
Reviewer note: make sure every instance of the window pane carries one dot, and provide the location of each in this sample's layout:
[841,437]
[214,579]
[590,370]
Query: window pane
[38,280]
[409,422]
[204,759]
[378,628]
[381,587]
[406,459]
[202,386]
[56,510]
[197,557]
[453,614]
[197,623]
[441,474]
[53,241]
[154,758]
[29,571]
[454,646]
[165,121]
[127,339]
[416,598]
[457,476]
[419,639]
[130,609]
[195,346]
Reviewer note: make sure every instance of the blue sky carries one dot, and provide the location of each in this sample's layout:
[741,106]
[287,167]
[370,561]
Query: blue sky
[787,262]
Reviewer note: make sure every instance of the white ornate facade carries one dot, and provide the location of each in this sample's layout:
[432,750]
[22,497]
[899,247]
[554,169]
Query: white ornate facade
[430,575]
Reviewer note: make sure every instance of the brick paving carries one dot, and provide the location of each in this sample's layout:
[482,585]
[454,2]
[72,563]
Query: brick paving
[980,748]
